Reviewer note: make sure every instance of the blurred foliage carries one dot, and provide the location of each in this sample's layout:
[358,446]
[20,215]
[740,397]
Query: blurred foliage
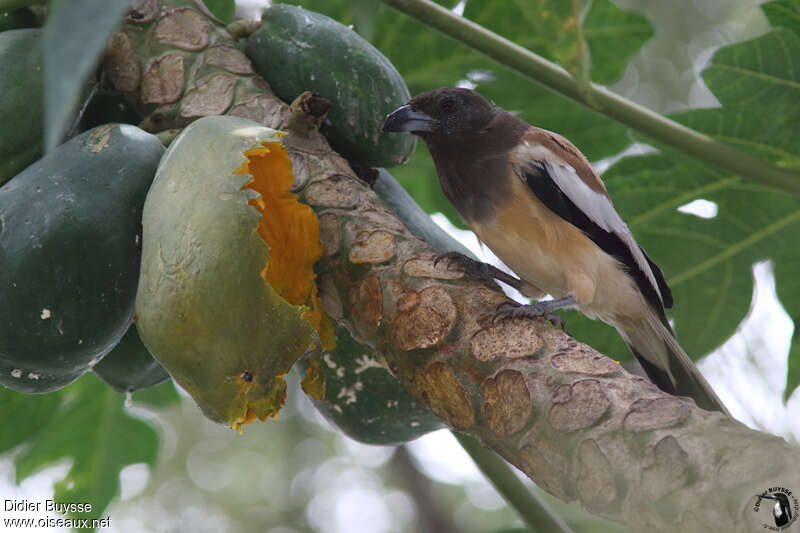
[87,423]
[297,474]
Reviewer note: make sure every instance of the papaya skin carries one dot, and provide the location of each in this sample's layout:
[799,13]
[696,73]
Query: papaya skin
[70,239]
[22,105]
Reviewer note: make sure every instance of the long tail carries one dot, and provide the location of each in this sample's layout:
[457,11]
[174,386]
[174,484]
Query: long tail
[667,365]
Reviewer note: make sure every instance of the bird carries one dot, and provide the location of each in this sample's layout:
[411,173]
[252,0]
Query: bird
[535,200]
[781,510]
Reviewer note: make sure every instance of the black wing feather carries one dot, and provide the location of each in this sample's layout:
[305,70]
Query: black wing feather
[548,192]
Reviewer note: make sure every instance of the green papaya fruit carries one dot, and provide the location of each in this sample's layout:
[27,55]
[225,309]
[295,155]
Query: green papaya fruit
[364,400]
[22,102]
[70,241]
[129,367]
[298,50]
[17,18]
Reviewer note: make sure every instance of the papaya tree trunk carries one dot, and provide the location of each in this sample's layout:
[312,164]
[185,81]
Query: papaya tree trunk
[570,418]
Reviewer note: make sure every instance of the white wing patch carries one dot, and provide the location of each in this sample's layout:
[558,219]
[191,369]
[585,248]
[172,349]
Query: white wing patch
[595,205]
[598,208]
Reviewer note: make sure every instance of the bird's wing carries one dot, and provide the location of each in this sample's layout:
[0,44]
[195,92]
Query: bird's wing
[562,179]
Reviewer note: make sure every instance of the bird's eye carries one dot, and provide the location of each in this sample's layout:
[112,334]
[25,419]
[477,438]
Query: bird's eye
[448,105]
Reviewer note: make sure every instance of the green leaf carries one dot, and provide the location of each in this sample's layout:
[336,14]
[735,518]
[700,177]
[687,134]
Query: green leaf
[559,31]
[75,34]
[613,36]
[551,28]
[759,77]
[24,414]
[366,17]
[783,13]
[707,262]
[92,428]
[224,10]
[428,60]
[751,129]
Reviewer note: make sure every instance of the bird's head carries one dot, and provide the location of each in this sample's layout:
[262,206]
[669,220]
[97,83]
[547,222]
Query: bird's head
[447,114]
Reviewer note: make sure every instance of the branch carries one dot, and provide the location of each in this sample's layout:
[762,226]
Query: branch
[597,97]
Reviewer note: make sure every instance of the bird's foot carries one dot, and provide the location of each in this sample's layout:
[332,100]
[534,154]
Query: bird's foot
[477,269]
[470,267]
[511,309]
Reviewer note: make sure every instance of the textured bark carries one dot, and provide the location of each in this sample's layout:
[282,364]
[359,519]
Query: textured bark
[569,417]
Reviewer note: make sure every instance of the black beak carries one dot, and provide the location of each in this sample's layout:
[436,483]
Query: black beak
[405,118]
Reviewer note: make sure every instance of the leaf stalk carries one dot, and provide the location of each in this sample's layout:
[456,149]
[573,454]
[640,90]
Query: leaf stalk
[530,506]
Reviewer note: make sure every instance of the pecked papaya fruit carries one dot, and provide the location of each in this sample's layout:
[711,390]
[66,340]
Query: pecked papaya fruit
[70,239]
[227,297]
[298,50]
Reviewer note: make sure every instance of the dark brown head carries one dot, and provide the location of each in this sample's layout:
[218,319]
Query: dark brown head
[447,114]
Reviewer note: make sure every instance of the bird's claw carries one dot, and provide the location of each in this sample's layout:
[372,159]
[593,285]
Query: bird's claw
[453,258]
[510,309]
[508,306]
[468,266]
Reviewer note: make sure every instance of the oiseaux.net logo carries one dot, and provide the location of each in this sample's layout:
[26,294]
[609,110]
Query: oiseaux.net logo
[777,508]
